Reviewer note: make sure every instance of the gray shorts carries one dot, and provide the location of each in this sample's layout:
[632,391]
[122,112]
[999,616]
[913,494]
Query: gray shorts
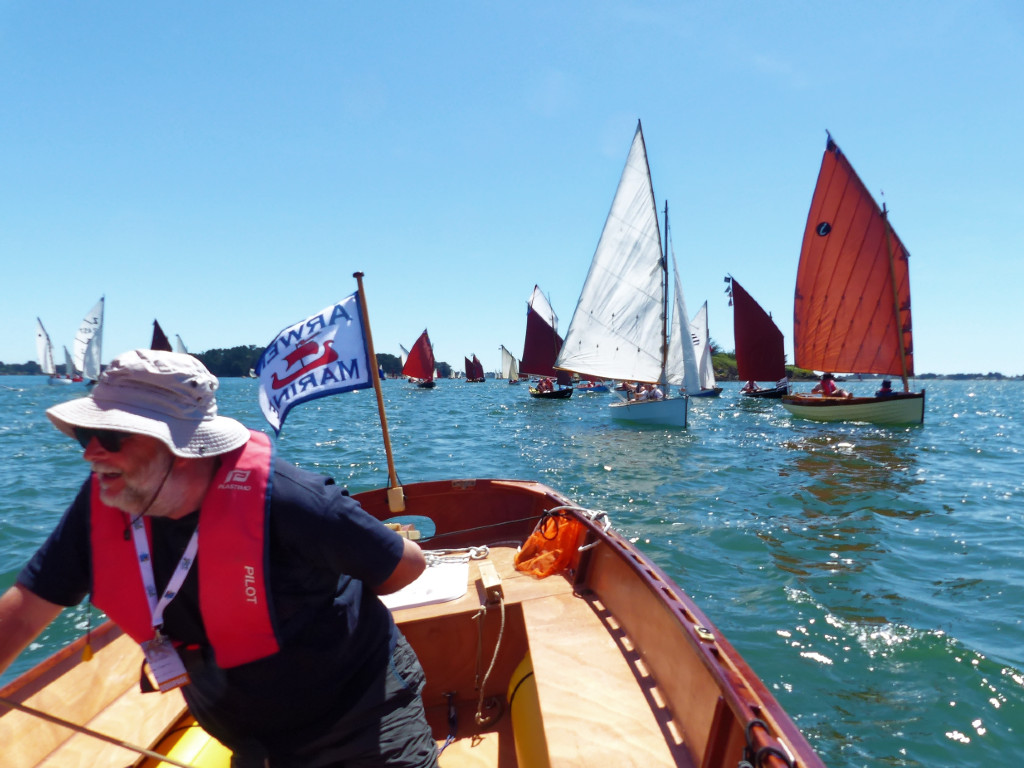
[386,727]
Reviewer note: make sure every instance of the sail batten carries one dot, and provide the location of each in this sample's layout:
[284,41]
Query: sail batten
[852,298]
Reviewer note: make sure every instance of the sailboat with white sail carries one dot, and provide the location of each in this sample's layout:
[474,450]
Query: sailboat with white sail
[88,345]
[852,301]
[707,386]
[44,351]
[620,327]
[509,366]
[44,355]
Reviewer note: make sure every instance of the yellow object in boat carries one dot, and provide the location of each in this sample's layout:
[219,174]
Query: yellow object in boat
[527,724]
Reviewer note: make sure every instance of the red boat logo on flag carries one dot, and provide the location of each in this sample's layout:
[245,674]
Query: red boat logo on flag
[322,355]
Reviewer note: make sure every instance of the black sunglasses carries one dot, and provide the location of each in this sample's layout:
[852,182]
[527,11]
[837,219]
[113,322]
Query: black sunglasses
[110,440]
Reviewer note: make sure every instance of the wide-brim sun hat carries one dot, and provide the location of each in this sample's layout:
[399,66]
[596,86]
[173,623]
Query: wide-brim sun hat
[166,395]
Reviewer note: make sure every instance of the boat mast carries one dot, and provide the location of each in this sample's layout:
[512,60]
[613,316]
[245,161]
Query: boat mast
[664,308]
[895,299]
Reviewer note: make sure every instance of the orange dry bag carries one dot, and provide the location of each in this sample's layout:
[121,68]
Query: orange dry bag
[551,546]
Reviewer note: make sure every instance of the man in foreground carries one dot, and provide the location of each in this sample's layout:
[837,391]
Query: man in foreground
[270,619]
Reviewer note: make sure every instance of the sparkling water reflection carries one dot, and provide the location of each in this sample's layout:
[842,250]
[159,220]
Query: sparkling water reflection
[871,576]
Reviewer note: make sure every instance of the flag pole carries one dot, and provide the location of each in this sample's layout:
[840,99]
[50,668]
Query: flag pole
[396,497]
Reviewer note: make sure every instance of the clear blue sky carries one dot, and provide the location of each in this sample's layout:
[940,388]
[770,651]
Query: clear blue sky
[225,167]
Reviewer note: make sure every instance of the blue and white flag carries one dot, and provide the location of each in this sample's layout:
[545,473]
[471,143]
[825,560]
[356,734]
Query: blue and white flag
[322,355]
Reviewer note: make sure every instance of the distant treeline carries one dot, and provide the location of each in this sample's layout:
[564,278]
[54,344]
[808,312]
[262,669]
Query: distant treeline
[238,361]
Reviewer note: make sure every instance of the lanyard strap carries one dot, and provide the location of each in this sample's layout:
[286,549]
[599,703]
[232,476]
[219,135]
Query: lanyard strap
[146,571]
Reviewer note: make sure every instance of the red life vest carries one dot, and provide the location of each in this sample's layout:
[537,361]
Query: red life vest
[231,560]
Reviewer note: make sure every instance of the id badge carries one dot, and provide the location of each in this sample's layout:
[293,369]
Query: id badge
[164,663]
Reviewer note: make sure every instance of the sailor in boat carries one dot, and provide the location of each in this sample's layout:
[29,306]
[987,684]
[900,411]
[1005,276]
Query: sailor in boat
[300,664]
[750,386]
[545,385]
[885,390]
[827,387]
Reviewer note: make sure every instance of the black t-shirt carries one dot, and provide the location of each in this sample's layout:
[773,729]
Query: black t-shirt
[334,633]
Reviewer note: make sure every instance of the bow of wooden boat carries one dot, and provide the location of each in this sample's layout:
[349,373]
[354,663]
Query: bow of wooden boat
[608,662]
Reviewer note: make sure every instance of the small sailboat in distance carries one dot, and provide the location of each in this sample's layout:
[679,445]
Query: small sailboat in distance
[419,365]
[44,354]
[509,366]
[701,338]
[88,344]
[474,370]
[541,348]
[852,302]
[760,346]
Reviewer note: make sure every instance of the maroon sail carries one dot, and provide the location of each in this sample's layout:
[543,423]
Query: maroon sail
[760,347]
[474,369]
[542,344]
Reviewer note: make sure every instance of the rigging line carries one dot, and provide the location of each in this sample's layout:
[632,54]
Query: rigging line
[4,701]
[504,523]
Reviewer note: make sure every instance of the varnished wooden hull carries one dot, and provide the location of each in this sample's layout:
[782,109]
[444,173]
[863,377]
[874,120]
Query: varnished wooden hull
[626,669]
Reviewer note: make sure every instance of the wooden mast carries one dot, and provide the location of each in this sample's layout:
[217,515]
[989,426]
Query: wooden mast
[664,308]
[396,497]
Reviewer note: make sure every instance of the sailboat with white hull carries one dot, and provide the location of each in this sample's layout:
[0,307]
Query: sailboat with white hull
[852,303]
[620,327]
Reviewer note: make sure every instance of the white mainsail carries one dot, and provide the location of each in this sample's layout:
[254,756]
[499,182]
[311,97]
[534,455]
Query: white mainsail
[88,344]
[44,349]
[179,345]
[616,331]
[702,348]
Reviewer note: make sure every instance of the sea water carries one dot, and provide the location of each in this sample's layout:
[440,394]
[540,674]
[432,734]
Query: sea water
[873,577]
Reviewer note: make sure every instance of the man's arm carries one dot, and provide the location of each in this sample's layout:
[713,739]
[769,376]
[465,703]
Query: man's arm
[408,569]
[23,615]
